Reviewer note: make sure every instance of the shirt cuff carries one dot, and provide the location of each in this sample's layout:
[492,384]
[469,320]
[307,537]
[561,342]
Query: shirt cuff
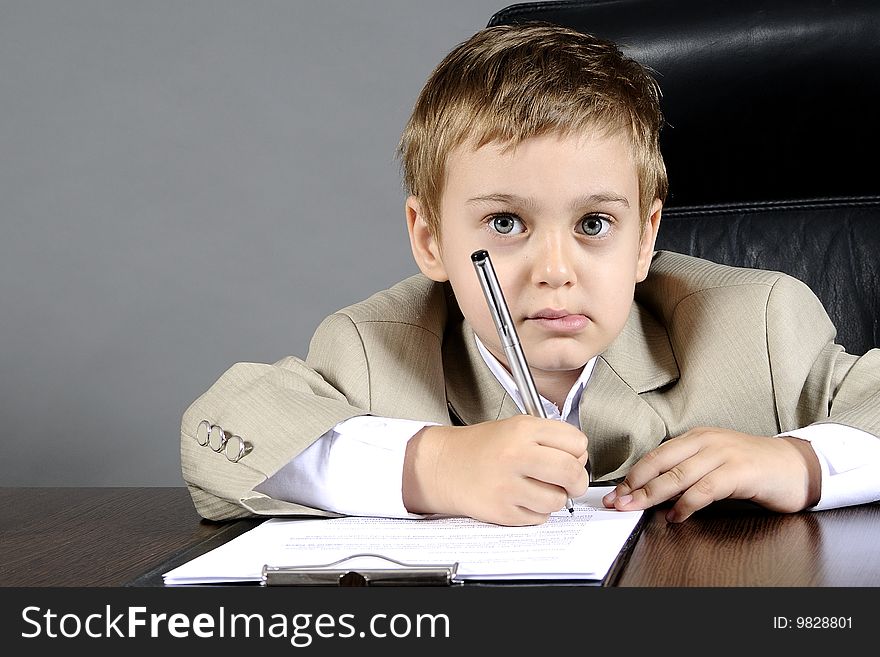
[850,462]
[354,469]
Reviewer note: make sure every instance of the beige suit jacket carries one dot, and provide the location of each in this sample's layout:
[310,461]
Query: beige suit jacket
[705,345]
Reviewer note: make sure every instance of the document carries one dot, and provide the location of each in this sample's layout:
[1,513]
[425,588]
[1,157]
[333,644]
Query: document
[572,546]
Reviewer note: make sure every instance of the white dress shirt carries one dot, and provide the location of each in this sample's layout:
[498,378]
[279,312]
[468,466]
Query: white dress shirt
[356,468]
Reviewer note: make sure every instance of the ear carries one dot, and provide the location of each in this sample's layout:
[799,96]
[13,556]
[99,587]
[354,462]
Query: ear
[425,248]
[649,237]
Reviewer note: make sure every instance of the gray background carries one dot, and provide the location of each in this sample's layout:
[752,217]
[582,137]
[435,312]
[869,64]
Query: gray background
[184,185]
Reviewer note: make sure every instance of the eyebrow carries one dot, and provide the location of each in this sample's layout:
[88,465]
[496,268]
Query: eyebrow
[530,203]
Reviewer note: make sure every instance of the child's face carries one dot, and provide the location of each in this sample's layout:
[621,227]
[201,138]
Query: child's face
[559,217]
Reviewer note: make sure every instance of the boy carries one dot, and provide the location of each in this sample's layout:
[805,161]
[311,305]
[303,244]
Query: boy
[540,145]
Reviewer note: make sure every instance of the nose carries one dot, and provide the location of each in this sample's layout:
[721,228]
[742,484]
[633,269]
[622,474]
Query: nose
[553,261]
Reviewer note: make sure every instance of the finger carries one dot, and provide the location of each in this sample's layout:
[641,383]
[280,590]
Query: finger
[557,468]
[714,486]
[674,481]
[543,497]
[657,461]
[561,436]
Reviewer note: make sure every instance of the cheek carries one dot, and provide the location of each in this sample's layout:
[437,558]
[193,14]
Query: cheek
[470,298]
[610,291]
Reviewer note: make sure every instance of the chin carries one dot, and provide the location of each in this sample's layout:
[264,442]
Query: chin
[565,349]
[561,362]
[562,367]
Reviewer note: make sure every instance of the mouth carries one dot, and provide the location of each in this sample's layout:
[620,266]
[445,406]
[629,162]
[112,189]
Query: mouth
[559,320]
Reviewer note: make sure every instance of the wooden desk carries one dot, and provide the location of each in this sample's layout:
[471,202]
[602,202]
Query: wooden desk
[111,536]
[93,536]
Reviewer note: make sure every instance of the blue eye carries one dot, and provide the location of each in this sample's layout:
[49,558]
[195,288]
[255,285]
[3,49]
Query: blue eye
[594,225]
[506,224]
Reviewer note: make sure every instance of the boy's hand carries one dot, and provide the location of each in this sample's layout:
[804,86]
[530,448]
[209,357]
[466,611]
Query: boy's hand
[704,465]
[509,472]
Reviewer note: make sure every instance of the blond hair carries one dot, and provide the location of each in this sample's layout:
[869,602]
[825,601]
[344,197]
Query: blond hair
[511,82]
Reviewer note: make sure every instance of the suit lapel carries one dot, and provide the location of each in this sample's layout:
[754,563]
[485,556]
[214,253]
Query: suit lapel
[473,394]
[620,424]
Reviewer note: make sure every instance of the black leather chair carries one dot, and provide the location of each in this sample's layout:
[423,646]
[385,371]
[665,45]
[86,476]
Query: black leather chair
[772,134]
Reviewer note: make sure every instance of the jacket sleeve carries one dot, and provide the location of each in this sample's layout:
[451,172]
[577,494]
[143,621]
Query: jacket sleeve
[277,411]
[814,379]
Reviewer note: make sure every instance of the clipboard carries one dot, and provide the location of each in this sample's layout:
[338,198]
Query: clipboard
[336,574]
[409,574]
[416,567]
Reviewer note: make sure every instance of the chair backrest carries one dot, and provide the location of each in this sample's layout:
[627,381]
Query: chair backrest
[772,133]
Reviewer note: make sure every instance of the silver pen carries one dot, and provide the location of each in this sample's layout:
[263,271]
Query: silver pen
[516,359]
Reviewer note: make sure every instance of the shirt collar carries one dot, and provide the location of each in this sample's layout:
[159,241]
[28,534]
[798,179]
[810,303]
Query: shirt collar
[569,411]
